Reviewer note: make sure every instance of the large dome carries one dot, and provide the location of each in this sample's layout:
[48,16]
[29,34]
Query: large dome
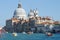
[20,13]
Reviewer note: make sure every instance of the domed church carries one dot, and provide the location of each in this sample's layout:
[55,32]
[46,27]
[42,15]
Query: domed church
[20,22]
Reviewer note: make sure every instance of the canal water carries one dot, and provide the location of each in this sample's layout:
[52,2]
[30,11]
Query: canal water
[35,36]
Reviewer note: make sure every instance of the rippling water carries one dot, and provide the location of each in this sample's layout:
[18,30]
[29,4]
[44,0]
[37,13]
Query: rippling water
[20,36]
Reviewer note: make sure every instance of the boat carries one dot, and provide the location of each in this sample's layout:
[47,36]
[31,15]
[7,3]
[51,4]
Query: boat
[24,32]
[14,34]
[29,32]
[49,34]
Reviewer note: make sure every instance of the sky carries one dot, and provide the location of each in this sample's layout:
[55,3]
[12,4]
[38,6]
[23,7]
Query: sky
[45,7]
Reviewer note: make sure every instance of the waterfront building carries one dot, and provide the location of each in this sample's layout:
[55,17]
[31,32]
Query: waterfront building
[20,22]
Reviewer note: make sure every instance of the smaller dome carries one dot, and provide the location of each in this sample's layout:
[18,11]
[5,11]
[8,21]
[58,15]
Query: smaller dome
[31,14]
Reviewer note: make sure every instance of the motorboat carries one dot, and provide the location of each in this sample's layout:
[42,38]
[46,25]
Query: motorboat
[24,32]
[49,34]
[14,34]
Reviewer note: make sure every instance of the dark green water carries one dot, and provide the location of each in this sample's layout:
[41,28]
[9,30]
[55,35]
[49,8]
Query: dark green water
[20,36]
